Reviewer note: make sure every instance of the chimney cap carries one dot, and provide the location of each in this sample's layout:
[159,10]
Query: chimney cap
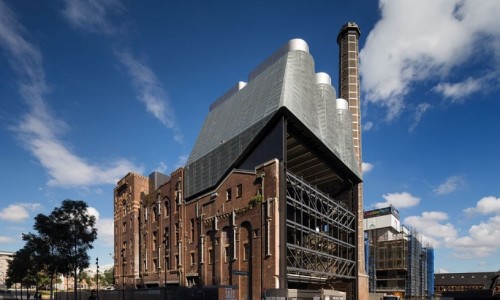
[348,28]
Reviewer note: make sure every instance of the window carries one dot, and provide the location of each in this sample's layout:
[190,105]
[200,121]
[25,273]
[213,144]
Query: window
[166,236]
[155,264]
[167,262]
[124,208]
[177,262]
[210,256]
[155,213]
[192,258]
[192,230]
[246,251]
[167,206]
[239,190]
[176,232]
[155,244]
[228,194]
[227,255]
[124,227]
[178,193]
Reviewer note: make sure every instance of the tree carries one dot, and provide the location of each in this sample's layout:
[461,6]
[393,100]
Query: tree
[109,276]
[73,219]
[65,236]
[22,268]
[60,246]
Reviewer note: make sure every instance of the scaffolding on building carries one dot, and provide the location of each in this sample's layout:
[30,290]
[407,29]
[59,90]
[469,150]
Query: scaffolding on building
[430,272]
[413,279]
[321,234]
[397,262]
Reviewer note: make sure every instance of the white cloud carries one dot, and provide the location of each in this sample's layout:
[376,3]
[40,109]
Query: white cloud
[162,167]
[104,227]
[39,130]
[456,92]
[368,126]
[105,232]
[430,225]
[181,161]
[450,185]
[19,212]
[441,271]
[366,167]
[487,205]
[150,91]
[6,240]
[419,112]
[481,241]
[425,41]
[399,200]
[91,15]
[93,212]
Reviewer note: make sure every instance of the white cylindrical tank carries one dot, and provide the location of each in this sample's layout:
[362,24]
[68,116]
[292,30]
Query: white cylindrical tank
[322,77]
[342,104]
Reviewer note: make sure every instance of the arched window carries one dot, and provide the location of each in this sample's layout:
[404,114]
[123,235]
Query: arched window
[166,208]
[178,192]
[155,213]
[124,207]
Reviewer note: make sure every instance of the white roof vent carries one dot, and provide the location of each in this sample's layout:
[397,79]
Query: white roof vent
[342,104]
[298,44]
[324,78]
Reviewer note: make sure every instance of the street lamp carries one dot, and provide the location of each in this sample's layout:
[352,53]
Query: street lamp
[97,278]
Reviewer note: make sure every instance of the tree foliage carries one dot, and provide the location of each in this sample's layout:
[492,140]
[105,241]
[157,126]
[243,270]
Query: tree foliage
[109,276]
[60,245]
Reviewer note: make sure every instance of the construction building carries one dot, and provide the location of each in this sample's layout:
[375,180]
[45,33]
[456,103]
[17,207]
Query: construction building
[269,200]
[397,261]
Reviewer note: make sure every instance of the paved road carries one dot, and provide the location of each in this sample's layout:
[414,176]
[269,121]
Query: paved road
[7,296]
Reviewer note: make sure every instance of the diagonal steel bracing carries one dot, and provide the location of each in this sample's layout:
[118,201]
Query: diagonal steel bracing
[320,233]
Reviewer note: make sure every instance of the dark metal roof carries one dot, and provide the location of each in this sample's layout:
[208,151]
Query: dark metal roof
[459,279]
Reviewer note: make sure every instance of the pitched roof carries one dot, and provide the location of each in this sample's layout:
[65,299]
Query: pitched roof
[286,80]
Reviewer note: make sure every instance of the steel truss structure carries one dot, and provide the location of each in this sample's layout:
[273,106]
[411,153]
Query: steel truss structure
[321,234]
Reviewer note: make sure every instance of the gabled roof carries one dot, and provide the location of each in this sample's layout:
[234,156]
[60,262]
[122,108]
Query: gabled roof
[285,80]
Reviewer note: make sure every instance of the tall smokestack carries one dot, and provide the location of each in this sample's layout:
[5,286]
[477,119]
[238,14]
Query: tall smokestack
[348,40]
[349,78]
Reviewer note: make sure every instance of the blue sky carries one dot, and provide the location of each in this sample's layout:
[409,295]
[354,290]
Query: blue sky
[91,90]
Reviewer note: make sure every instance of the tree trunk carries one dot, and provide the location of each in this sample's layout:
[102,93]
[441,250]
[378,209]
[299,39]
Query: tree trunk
[51,286]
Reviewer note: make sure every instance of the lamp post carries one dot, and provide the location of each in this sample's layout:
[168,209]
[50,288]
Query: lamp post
[97,277]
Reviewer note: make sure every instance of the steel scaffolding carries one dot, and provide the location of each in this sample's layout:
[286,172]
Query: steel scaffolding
[321,233]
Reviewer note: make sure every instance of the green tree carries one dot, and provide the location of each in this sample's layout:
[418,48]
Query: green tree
[73,219]
[65,236]
[108,276]
[22,268]
[60,246]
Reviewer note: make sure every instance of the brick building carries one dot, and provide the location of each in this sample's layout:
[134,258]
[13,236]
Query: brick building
[269,198]
[463,282]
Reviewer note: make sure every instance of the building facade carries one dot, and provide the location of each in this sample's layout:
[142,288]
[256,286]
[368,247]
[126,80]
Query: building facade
[397,261]
[268,201]
[5,258]
[466,282]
